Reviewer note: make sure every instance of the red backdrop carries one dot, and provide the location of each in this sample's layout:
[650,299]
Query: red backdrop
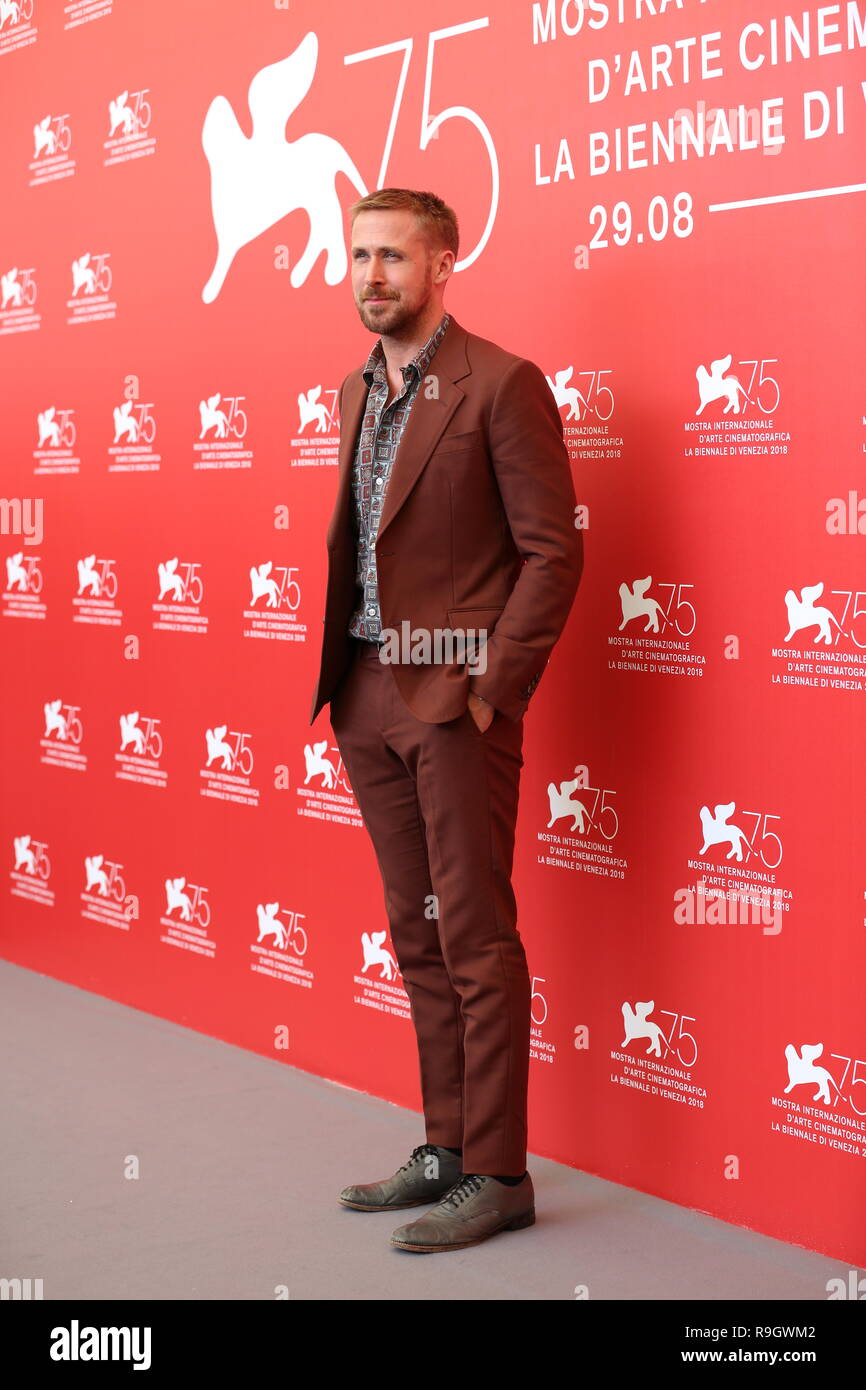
[659,205]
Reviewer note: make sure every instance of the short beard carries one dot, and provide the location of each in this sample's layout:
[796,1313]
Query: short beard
[404,319]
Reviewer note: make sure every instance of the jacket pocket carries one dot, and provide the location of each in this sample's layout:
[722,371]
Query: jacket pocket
[479,618]
[475,610]
[450,443]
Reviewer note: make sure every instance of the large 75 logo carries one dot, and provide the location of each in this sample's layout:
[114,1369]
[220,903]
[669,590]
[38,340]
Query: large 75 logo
[259,178]
[430,124]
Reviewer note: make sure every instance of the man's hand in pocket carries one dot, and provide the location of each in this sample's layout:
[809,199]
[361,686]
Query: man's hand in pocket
[481,710]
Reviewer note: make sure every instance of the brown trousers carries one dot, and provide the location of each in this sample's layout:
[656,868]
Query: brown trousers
[440,804]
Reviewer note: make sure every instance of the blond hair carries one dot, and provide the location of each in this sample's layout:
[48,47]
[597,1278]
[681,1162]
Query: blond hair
[437,222]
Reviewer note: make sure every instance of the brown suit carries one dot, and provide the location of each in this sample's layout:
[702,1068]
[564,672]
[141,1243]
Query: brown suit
[482,480]
[477,530]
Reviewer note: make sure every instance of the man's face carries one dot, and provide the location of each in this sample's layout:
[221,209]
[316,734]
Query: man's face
[392,270]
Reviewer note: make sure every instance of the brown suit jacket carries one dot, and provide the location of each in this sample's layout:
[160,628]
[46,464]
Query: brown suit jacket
[477,529]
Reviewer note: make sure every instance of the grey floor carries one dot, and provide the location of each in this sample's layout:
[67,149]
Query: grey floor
[240,1160]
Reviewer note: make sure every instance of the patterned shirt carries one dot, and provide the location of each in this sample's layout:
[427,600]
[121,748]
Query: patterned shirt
[381,431]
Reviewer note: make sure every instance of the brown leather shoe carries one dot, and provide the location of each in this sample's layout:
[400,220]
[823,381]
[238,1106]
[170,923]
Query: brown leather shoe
[474,1210]
[429,1173]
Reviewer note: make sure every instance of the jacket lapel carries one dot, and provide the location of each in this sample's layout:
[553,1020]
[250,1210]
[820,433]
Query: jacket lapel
[437,398]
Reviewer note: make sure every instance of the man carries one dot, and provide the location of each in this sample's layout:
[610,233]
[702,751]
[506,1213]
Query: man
[454,513]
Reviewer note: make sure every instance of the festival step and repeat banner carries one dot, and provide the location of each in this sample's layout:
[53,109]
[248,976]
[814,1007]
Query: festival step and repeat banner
[662,205]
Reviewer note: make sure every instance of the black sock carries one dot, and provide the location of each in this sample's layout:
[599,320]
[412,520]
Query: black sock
[508,1181]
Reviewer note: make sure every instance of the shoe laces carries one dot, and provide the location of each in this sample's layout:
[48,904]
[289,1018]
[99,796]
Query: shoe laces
[421,1152]
[464,1188]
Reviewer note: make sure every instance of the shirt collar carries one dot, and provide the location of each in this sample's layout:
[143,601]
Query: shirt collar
[374,367]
